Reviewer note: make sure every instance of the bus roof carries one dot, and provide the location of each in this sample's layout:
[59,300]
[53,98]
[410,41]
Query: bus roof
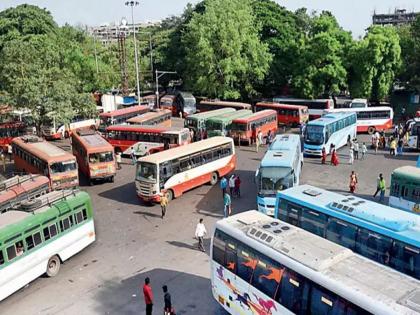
[398,224]
[285,142]
[408,171]
[274,158]
[228,117]
[227,103]
[301,100]
[280,105]
[42,149]
[187,149]
[353,276]
[255,116]
[330,118]
[359,109]
[149,115]
[123,111]
[92,141]
[211,113]
[145,128]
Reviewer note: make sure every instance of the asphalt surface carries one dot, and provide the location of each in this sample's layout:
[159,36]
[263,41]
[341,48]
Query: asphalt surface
[133,242]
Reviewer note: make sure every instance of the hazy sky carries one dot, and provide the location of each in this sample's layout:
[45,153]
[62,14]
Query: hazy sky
[354,15]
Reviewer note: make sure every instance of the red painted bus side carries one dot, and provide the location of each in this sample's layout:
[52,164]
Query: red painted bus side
[286,114]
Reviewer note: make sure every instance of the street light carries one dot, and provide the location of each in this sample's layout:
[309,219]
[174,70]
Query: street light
[160,74]
[133,4]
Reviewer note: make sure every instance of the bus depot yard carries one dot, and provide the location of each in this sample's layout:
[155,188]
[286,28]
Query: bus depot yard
[133,241]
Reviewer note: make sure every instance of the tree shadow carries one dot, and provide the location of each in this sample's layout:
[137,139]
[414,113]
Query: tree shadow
[124,194]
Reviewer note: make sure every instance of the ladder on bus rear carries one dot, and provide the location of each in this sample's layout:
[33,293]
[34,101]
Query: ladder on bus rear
[16,180]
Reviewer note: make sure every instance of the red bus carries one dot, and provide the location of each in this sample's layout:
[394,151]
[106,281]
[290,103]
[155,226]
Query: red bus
[246,129]
[208,105]
[18,188]
[10,130]
[145,139]
[95,156]
[286,114]
[120,116]
[168,102]
[36,156]
[160,117]
[316,107]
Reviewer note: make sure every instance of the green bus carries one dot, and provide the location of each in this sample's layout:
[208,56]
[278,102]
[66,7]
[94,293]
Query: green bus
[197,122]
[220,125]
[405,189]
[43,232]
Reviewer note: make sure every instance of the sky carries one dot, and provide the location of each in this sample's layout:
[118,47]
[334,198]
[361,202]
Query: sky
[354,15]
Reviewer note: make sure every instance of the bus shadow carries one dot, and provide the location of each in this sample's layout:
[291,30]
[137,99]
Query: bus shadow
[124,194]
[404,157]
[193,246]
[190,294]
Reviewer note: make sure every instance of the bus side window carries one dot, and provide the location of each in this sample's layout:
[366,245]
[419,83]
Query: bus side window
[15,250]
[246,262]
[267,276]
[314,222]
[293,292]
[341,233]
[219,248]
[325,302]
[293,214]
[374,246]
[406,258]
[33,240]
[1,258]
[231,262]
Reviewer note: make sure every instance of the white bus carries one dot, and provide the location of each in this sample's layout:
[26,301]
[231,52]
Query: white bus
[369,119]
[40,234]
[174,171]
[260,265]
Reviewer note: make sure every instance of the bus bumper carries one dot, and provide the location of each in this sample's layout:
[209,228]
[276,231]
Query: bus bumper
[154,199]
[316,152]
[266,205]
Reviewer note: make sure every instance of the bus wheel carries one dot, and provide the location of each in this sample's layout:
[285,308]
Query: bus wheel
[111,179]
[214,178]
[53,266]
[91,182]
[169,195]
[371,130]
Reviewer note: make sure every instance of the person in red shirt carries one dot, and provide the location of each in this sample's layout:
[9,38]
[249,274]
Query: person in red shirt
[148,296]
[237,186]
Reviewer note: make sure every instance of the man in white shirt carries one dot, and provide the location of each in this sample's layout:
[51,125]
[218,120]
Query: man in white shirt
[200,232]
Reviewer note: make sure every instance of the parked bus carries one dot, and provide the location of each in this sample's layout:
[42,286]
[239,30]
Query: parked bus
[220,125]
[37,156]
[293,115]
[10,130]
[209,105]
[185,103]
[168,102]
[197,122]
[95,156]
[21,187]
[120,116]
[381,233]
[145,139]
[316,107]
[279,169]
[405,189]
[66,130]
[370,119]
[158,117]
[414,134]
[332,129]
[260,265]
[175,171]
[246,129]
[40,235]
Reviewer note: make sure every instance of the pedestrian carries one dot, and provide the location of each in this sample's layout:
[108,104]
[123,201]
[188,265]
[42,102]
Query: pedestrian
[364,150]
[259,140]
[167,301]
[200,232]
[376,144]
[238,186]
[148,296]
[133,155]
[353,182]
[392,147]
[302,129]
[163,204]
[269,137]
[192,135]
[400,146]
[227,208]
[382,187]
[180,114]
[356,149]
[3,160]
[334,158]
[351,155]
[9,152]
[323,155]
[232,184]
[223,186]
[378,189]
[253,134]
[118,158]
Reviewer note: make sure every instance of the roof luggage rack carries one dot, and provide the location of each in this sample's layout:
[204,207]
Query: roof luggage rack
[16,180]
[47,199]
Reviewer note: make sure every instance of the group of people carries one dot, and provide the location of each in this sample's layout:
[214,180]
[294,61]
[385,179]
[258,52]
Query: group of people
[354,149]
[234,184]
[395,142]
[148,299]
[334,157]
[257,138]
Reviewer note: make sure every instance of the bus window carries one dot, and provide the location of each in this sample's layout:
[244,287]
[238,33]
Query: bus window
[293,214]
[267,276]
[246,263]
[324,302]
[33,240]
[219,248]
[406,259]
[1,258]
[314,222]
[374,246]
[15,250]
[231,263]
[293,292]
[341,233]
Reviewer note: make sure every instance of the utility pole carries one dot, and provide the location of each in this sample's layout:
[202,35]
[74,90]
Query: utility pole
[122,53]
[96,54]
[160,74]
[133,4]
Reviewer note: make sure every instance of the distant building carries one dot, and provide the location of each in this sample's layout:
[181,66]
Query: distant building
[399,17]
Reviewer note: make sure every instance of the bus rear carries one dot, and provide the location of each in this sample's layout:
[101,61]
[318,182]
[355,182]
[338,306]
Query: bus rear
[120,116]
[292,115]
[405,189]
[10,130]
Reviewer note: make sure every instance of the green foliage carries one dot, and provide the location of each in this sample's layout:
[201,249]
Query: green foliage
[225,57]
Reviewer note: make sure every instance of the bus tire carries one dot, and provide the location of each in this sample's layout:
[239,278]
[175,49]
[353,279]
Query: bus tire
[111,179]
[169,194]
[371,130]
[53,266]
[214,178]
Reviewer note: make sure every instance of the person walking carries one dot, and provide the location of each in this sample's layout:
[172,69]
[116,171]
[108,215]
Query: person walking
[148,296]
[9,152]
[382,187]
[376,144]
[133,155]
[200,232]
[253,134]
[118,159]
[232,184]
[323,155]
[223,186]
[259,140]
[378,189]
[238,186]
[269,138]
[400,146]
[163,204]
[167,301]
[227,201]
[334,157]
[364,150]
[351,155]
[392,147]
[356,149]
[353,182]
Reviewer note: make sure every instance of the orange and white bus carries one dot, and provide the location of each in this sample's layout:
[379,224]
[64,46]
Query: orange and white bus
[168,102]
[36,156]
[120,116]
[246,129]
[293,115]
[208,105]
[95,156]
[158,117]
[145,139]
[175,171]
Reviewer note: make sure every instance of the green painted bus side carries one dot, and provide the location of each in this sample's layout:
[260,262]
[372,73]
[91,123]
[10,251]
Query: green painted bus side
[405,183]
[220,125]
[198,121]
[37,229]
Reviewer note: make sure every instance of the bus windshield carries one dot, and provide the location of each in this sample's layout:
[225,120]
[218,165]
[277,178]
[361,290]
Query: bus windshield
[191,123]
[273,179]
[101,157]
[61,167]
[238,126]
[215,125]
[146,171]
[314,135]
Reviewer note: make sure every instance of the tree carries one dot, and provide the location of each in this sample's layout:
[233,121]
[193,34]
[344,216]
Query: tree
[225,56]
[375,61]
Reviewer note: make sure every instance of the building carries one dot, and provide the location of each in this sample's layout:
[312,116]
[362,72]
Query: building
[399,17]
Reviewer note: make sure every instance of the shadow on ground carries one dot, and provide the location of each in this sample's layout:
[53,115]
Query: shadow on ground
[124,194]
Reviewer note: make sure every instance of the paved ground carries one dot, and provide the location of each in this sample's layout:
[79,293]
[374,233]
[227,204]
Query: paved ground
[134,242]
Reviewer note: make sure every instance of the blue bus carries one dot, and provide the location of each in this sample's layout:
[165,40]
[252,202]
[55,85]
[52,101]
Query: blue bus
[384,234]
[331,129]
[279,169]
